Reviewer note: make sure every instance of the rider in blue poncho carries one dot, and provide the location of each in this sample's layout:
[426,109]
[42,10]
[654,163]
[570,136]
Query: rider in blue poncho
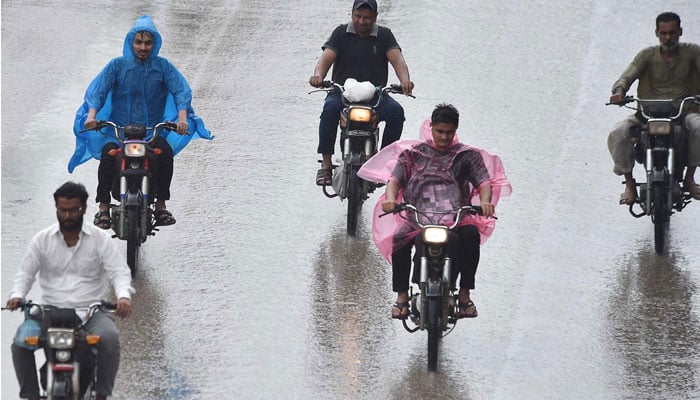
[137,88]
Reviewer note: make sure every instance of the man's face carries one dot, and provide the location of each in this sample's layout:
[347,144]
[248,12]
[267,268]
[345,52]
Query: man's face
[669,34]
[363,19]
[142,46]
[443,134]
[70,213]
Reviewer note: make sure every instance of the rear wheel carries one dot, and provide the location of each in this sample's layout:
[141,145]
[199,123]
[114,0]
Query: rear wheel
[354,198]
[434,333]
[133,238]
[661,217]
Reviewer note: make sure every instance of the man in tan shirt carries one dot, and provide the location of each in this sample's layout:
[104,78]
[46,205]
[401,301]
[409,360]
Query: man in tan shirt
[670,70]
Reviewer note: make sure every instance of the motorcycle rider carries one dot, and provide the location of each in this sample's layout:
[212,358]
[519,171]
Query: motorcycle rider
[436,174]
[74,262]
[138,87]
[360,50]
[667,71]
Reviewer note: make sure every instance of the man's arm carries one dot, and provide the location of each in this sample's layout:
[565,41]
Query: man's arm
[397,61]
[485,200]
[324,64]
[631,74]
[25,277]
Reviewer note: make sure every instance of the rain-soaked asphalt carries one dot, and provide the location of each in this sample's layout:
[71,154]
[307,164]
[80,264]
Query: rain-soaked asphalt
[258,293]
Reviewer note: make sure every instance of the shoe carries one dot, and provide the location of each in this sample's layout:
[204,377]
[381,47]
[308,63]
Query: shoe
[102,220]
[400,308]
[463,307]
[163,217]
[324,177]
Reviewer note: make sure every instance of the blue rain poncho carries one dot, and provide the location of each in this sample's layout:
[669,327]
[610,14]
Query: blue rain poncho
[128,91]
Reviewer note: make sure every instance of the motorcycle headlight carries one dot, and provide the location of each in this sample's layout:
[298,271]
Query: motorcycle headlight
[63,355]
[60,338]
[435,235]
[659,127]
[360,115]
[135,149]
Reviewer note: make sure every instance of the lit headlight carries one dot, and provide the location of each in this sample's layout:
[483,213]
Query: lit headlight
[659,127]
[360,115]
[60,338]
[135,149]
[435,235]
[63,355]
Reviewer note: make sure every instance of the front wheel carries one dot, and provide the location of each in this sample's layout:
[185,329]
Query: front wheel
[434,331]
[133,238]
[661,217]
[354,197]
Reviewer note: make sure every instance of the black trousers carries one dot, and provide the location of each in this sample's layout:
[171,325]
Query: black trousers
[161,167]
[463,248]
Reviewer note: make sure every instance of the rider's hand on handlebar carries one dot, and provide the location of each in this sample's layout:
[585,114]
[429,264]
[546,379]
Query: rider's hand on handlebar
[123,307]
[389,206]
[14,303]
[90,123]
[407,87]
[617,96]
[487,209]
[316,81]
[183,127]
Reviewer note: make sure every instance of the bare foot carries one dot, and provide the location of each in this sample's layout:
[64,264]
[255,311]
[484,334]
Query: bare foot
[629,196]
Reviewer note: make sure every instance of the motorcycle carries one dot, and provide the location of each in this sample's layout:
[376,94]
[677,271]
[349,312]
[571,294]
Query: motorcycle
[435,306]
[359,141]
[69,372]
[661,135]
[132,218]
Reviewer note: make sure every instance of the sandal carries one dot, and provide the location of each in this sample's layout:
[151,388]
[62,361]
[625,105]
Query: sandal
[462,307]
[628,196]
[324,177]
[163,217]
[400,307]
[693,190]
[102,220]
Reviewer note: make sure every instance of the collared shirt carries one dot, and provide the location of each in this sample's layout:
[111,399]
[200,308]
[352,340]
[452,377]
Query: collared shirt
[660,79]
[361,58]
[73,276]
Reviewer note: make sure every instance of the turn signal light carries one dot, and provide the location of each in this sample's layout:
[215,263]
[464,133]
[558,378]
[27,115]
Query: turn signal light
[32,340]
[92,339]
[157,151]
[112,152]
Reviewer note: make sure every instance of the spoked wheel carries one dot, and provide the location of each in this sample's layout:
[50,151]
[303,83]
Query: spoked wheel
[661,217]
[354,198]
[434,332]
[133,238]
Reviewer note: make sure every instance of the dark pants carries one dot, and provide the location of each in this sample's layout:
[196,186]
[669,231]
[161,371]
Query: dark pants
[463,248]
[389,111]
[108,354]
[161,167]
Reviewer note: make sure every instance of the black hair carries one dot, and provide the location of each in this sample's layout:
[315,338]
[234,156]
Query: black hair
[668,17]
[445,114]
[71,190]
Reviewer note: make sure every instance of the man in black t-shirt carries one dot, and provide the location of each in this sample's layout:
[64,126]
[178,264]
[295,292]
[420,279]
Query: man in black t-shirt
[361,50]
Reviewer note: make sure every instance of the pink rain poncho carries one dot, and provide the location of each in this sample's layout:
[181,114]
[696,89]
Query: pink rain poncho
[393,231]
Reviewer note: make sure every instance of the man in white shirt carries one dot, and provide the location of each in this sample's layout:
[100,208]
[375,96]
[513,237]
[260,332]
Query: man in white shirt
[75,261]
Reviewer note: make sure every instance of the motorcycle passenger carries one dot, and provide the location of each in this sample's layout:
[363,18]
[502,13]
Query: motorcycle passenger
[75,263]
[360,50]
[139,87]
[436,174]
[666,71]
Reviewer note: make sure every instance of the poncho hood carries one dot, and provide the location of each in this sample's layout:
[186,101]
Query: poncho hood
[144,23]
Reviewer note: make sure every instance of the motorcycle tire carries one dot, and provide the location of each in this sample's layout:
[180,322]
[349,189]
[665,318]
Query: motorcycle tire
[354,198]
[434,331]
[133,238]
[661,217]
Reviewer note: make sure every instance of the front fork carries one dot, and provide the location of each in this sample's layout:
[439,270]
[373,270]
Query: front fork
[439,289]
[124,200]
[659,176]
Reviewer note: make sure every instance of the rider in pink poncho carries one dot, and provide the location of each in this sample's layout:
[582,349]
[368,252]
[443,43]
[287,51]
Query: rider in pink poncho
[437,174]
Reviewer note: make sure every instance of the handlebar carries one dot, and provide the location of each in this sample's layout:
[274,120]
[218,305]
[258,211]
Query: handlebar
[640,103]
[458,214]
[102,306]
[118,130]
[329,86]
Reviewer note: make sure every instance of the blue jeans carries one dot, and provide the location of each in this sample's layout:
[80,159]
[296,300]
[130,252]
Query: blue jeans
[389,111]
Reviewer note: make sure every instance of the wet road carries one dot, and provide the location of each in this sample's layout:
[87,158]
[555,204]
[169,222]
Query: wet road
[258,293]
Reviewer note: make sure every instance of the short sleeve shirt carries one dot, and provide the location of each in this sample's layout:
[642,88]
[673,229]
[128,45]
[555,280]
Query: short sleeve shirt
[361,58]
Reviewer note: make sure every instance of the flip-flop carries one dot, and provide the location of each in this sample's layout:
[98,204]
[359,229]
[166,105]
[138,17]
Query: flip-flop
[163,218]
[324,177]
[102,220]
[628,197]
[463,307]
[401,306]
[694,191]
